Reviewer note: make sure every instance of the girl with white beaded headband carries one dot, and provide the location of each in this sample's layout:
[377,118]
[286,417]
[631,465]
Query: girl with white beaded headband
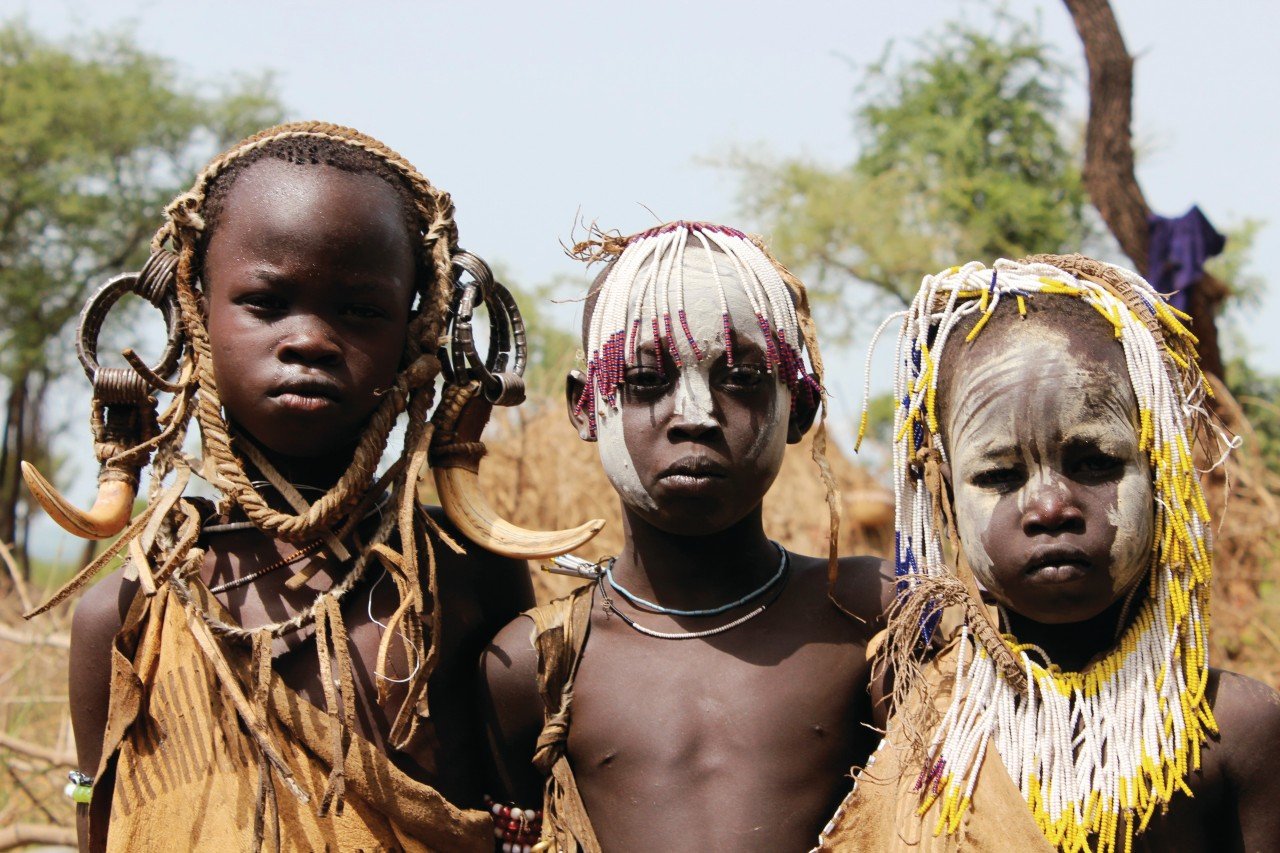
[1046,421]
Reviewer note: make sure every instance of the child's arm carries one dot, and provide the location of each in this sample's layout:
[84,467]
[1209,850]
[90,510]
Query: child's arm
[1248,714]
[512,710]
[98,618]
[865,589]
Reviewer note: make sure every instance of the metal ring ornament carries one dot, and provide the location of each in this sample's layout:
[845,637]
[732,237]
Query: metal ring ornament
[508,341]
[118,384]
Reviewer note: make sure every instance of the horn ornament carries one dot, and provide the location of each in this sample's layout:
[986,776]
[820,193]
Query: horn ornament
[107,517]
[455,463]
[124,410]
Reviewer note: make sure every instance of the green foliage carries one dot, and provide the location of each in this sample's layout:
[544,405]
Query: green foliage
[961,156]
[95,137]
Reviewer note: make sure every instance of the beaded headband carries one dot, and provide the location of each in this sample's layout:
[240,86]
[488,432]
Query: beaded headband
[648,277]
[1142,708]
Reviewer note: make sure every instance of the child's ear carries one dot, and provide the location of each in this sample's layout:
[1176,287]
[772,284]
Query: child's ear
[802,416]
[574,384]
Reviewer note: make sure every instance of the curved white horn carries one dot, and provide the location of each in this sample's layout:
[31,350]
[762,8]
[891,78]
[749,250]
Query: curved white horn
[455,455]
[107,517]
[466,506]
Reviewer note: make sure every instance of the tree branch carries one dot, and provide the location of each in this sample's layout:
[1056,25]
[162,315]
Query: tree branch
[57,641]
[60,758]
[1109,172]
[22,834]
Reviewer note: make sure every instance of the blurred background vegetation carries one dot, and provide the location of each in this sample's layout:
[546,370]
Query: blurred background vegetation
[963,148]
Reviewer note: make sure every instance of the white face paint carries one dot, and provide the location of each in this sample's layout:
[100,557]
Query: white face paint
[1029,421]
[694,401]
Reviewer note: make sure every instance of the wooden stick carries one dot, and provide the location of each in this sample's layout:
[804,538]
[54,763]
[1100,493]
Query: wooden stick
[21,834]
[19,584]
[30,638]
[60,757]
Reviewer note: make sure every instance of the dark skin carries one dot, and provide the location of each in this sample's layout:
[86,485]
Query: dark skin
[1057,497]
[310,280]
[739,741]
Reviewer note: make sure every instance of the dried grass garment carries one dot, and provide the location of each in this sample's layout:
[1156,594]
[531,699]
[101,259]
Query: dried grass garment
[186,773]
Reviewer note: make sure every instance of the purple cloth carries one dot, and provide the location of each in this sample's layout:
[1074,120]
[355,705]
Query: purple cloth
[1177,251]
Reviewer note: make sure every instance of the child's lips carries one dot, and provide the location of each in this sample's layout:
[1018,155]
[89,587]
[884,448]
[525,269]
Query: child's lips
[1058,565]
[308,395]
[693,476]
[1058,573]
[305,402]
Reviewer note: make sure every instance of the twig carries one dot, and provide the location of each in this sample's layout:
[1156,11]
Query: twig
[59,757]
[18,582]
[1270,635]
[57,641]
[22,834]
[22,786]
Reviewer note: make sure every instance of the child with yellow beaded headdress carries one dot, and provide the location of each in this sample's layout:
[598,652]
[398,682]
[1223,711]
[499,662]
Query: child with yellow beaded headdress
[259,671]
[1047,415]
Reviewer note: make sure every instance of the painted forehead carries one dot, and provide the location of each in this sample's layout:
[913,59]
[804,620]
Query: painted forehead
[682,289]
[1016,352]
[1038,387]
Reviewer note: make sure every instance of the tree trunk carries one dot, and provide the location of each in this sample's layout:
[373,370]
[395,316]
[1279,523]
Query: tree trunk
[1109,172]
[11,452]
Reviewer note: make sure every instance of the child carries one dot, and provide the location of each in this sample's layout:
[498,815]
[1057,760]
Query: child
[703,692]
[218,700]
[1048,413]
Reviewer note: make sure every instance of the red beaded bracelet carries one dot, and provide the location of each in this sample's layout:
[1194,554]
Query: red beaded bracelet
[518,829]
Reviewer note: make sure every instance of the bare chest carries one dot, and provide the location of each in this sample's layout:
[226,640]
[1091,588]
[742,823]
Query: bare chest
[774,700]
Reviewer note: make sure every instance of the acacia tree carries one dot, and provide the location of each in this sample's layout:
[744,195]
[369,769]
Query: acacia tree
[95,137]
[961,154]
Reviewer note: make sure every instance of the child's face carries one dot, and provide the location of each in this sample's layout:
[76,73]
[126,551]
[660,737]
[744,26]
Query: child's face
[693,450]
[309,278]
[1053,498]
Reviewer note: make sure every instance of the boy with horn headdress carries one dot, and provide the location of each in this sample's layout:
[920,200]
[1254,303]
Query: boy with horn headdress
[291,667]
[1047,415]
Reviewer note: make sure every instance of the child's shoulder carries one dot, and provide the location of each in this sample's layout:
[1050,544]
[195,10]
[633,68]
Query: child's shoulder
[864,586]
[500,585]
[1244,759]
[1248,716]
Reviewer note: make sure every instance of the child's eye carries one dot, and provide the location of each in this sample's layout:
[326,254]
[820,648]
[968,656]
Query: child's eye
[743,377]
[364,311]
[1098,465]
[998,478]
[263,302]
[644,378]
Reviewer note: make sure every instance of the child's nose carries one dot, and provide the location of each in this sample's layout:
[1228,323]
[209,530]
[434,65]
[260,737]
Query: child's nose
[1051,508]
[694,410]
[310,343]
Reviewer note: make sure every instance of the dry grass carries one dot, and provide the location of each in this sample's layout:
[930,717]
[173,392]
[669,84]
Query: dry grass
[538,473]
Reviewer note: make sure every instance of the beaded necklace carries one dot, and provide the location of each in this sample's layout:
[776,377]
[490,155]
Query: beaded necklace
[653,607]
[611,607]
[1095,753]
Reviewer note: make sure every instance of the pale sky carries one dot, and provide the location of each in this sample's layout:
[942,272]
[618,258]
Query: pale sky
[529,113]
